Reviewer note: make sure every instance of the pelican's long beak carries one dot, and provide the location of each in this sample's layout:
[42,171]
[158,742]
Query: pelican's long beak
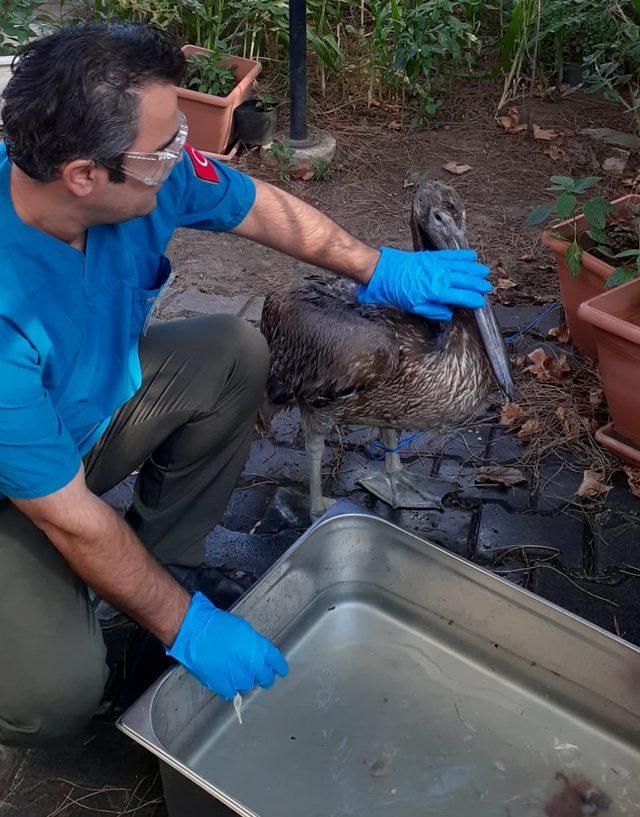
[446,234]
[495,348]
[492,340]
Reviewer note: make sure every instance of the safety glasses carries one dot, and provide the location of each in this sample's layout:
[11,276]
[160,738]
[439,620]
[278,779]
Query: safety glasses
[153,169]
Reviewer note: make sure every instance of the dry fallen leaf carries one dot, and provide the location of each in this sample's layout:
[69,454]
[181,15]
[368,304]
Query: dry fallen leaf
[527,258]
[499,475]
[505,283]
[555,152]
[511,121]
[596,397]
[529,429]
[562,333]
[570,421]
[559,368]
[589,424]
[537,368]
[511,413]
[519,361]
[544,135]
[548,367]
[630,182]
[394,125]
[573,424]
[302,173]
[456,168]
[592,485]
[633,478]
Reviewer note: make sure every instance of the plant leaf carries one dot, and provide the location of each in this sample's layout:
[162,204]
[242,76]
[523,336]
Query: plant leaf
[574,259]
[499,475]
[596,211]
[620,275]
[592,485]
[530,429]
[610,95]
[604,250]
[628,254]
[544,134]
[562,333]
[563,182]
[511,414]
[565,205]
[598,235]
[633,476]
[540,214]
[585,183]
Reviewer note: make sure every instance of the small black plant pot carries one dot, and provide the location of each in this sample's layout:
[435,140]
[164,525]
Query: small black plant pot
[256,126]
[572,73]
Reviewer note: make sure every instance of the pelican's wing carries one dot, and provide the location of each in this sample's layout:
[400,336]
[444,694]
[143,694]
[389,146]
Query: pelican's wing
[326,346]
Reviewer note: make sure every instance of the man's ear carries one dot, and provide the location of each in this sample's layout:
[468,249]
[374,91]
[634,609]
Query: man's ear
[81,176]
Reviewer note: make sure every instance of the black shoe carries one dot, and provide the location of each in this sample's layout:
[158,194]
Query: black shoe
[212,582]
[216,586]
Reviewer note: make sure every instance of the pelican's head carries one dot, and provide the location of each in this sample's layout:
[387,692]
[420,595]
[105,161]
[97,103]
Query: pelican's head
[438,218]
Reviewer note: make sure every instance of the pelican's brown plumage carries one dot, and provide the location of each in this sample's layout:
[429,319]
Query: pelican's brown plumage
[341,361]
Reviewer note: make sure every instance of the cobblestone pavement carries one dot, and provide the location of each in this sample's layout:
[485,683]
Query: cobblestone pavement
[535,534]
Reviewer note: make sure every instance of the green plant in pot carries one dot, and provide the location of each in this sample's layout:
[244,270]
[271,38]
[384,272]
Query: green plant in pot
[216,83]
[582,245]
[209,74]
[257,120]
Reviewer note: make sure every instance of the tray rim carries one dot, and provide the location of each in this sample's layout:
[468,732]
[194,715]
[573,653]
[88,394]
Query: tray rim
[136,721]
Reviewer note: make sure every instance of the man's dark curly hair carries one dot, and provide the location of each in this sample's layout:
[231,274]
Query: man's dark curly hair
[74,94]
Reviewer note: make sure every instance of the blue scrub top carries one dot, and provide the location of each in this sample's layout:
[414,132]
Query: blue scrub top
[70,321]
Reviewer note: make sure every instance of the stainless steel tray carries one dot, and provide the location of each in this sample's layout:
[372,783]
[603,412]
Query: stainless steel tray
[420,685]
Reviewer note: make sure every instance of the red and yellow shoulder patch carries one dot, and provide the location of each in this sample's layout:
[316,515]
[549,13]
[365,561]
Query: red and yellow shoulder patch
[202,167]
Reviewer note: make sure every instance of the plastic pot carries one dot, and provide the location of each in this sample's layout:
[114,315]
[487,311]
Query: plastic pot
[256,126]
[210,118]
[593,276]
[614,318]
[572,73]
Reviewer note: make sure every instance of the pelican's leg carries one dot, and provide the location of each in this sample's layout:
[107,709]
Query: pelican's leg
[314,445]
[403,489]
[392,462]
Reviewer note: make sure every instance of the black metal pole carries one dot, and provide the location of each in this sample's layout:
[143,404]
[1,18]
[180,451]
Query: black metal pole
[298,69]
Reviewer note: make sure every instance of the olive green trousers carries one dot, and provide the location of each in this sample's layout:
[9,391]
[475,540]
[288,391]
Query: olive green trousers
[188,429]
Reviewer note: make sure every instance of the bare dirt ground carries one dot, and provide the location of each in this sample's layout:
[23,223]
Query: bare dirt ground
[375,172]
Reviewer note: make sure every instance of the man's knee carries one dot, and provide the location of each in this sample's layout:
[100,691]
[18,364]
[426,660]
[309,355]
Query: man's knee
[246,346]
[253,352]
[53,705]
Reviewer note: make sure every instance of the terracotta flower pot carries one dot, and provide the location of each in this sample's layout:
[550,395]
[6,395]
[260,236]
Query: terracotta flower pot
[615,319]
[210,118]
[591,280]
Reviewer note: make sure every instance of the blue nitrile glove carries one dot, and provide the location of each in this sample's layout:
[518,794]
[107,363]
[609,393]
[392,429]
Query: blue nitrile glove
[427,282]
[224,652]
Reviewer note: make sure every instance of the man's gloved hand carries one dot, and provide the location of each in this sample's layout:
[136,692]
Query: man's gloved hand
[427,282]
[224,652]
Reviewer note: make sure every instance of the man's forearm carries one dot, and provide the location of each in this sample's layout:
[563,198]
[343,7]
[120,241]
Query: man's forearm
[105,553]
[285,223]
